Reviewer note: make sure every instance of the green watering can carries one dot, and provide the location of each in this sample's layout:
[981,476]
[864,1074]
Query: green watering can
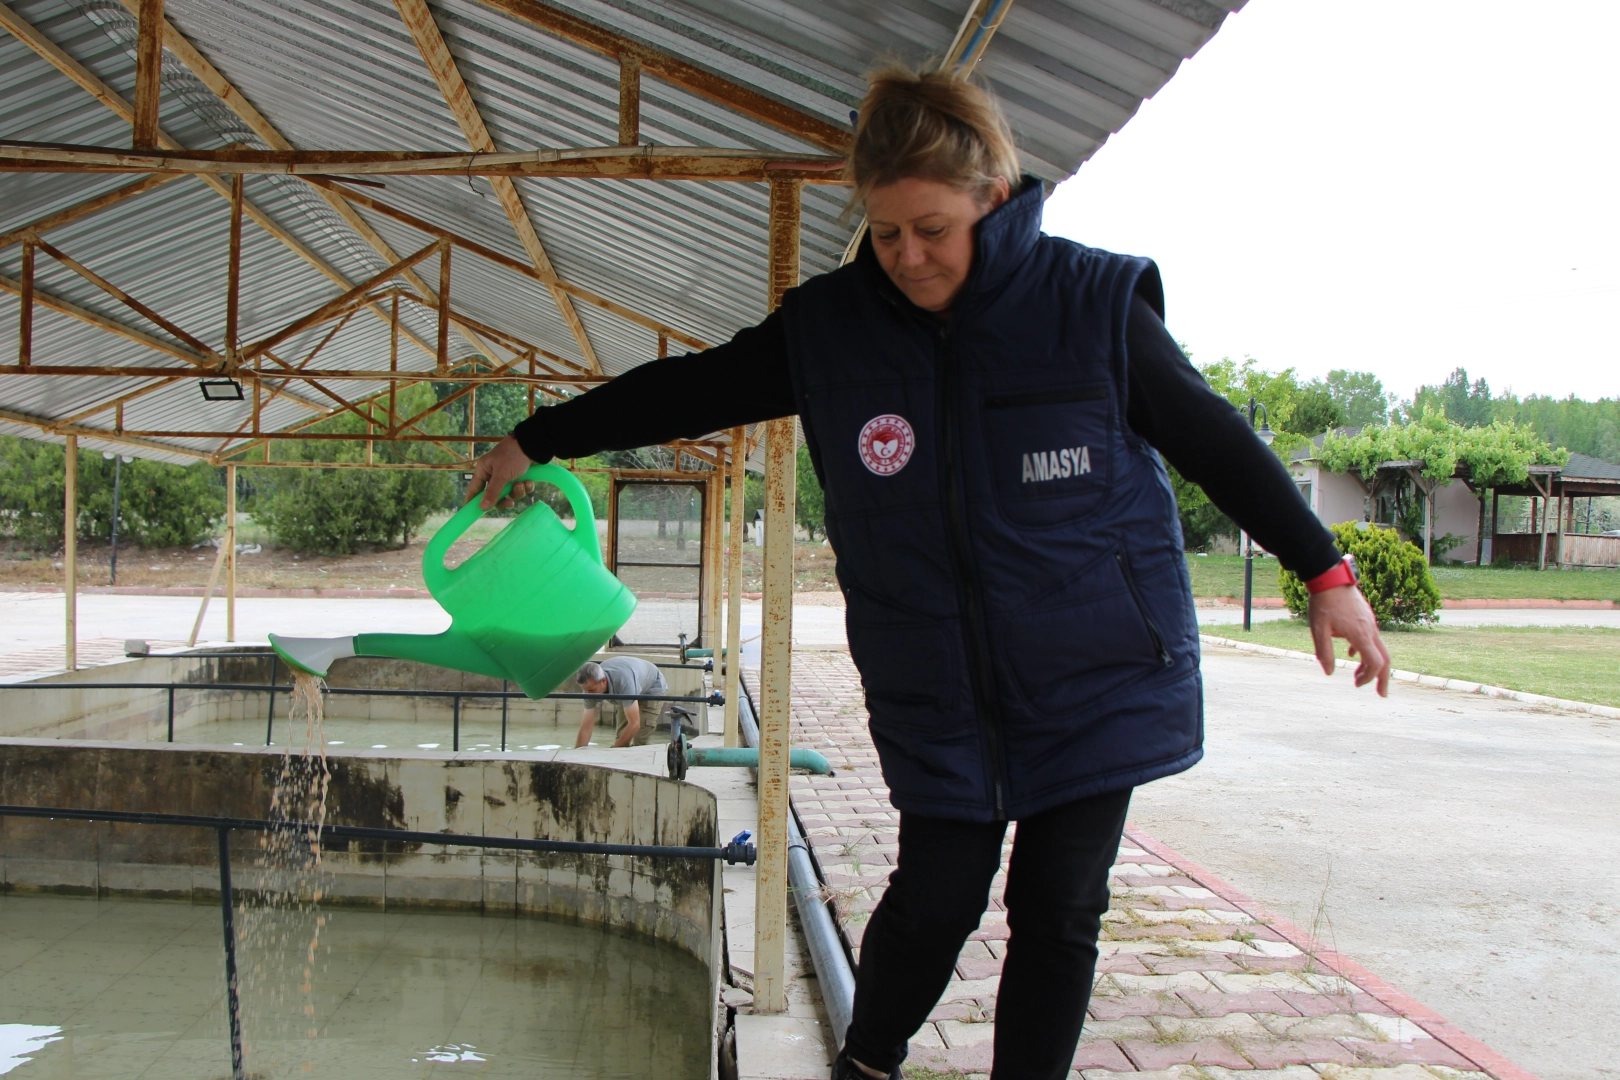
[530,606]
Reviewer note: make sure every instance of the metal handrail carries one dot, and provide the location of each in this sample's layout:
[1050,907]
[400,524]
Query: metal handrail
[734,852]
[715,698]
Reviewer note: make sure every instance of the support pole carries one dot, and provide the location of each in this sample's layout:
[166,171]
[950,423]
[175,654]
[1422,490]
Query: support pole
[148,75]
[733,658]
[714,501]
[70,551]
[776,644]
[629,100]
[202,609]
[230,557]
[444,306]
[233,274]
[25,326]
[1495,495]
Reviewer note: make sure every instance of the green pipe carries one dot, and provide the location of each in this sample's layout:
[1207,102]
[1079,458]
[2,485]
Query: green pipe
[746,757]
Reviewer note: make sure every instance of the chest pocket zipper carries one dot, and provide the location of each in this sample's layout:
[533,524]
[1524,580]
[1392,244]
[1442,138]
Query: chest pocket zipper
[1152,627]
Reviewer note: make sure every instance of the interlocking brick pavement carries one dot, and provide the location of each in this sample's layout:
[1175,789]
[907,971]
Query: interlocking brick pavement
[1195,981]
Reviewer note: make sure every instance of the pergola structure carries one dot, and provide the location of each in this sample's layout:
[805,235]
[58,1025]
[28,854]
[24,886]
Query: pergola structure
[321,202]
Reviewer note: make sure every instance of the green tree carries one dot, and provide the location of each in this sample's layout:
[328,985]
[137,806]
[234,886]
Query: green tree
[810,504]
[337,510]
[1359,394]
[1315,411]
[1462,402]
[159,504]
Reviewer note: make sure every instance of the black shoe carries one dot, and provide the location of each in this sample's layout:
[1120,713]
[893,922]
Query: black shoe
[845,1069]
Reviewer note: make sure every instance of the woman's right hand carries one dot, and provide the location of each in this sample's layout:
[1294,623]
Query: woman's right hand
[495,470]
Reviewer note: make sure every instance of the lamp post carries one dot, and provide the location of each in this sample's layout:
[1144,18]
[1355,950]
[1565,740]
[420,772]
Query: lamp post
[1266,436]
[118,470]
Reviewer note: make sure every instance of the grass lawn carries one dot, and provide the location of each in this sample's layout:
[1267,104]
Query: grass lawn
[1582,663]
[1222,575]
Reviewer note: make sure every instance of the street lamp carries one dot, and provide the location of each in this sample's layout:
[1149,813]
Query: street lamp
[118,469]
[1266,436]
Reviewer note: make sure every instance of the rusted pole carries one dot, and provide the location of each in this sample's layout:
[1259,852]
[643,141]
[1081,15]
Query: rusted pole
[70,551]
[629,100]
[208,593]
[393,357]
[739,459]
[230,548]
[714,498]
[776,644]
[444,306]
[148,74]
[233,274]
[25,328]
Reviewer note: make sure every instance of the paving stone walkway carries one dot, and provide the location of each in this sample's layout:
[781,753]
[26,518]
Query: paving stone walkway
[1195,980]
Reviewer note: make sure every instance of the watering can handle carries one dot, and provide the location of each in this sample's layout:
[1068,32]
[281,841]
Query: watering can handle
[437,575]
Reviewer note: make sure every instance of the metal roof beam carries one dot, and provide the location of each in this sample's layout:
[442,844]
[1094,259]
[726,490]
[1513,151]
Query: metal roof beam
[85,208]
[140,337]
[683,73]
[148,74]
[199,65]
[700,163]
[436,55]
[246,375]
[494,256]
[56,427]
[59,59]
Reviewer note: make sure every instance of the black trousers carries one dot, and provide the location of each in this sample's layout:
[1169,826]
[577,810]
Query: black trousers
[1056,894]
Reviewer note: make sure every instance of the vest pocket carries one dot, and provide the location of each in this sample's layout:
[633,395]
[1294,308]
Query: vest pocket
[912,669]
[1050,452]
[1090,640]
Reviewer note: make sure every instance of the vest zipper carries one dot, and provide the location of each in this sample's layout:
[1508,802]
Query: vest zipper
[980,672]
[1152,627]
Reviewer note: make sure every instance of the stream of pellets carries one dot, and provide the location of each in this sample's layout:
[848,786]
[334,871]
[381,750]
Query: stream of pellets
[281,916]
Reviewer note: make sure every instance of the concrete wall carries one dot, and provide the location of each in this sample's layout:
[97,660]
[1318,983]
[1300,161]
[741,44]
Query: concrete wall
[1456,511]
[142,715]
[673,900]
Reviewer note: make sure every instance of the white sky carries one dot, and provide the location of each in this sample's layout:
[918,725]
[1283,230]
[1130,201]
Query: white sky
[1398,186]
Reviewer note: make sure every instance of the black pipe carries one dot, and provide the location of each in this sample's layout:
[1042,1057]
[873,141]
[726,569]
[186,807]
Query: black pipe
[233,1004]
[503,717]
[733,853]
[455,722]
[171,714]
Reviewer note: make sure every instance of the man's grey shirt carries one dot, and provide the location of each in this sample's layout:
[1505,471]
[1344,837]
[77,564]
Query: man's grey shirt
[631,677]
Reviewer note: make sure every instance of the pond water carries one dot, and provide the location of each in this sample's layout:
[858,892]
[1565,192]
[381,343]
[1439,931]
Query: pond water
[133,988]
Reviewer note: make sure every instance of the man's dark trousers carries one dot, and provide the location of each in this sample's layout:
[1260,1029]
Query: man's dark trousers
[1056,894]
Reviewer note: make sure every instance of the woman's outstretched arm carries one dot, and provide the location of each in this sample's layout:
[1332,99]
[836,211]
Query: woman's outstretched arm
[1211,443]
[743,381]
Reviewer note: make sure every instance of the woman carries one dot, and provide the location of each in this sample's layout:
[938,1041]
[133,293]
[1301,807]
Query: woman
[983,404]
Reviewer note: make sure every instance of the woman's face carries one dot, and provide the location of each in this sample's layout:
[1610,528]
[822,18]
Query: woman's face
[922,233]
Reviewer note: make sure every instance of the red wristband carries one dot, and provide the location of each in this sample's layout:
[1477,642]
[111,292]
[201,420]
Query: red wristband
[1341,574]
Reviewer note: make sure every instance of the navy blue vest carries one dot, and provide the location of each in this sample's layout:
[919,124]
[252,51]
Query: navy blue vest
[1019,606]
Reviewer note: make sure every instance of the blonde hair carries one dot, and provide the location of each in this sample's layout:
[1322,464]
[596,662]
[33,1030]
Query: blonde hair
[930,125]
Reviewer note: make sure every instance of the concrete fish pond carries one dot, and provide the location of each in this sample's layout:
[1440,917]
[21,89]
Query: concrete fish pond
[419,928]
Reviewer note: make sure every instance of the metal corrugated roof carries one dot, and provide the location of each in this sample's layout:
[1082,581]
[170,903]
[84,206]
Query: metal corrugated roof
[346,74]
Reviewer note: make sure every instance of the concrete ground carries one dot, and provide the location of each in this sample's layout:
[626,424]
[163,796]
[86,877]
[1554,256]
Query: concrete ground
[1463,848]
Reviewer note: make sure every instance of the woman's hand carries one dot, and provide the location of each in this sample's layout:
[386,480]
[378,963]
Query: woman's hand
[495,469]
[1344,612]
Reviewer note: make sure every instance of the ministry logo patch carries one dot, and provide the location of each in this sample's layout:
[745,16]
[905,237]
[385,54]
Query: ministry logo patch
[886,444]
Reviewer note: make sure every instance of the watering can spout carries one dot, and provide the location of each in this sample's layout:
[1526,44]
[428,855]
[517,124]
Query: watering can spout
[451,649]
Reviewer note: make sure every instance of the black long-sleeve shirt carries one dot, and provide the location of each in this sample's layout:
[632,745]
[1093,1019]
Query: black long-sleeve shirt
[746,381]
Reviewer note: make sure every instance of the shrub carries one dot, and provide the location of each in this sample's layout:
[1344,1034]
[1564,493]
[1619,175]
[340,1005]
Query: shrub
[335,511]
[159,504]
[1394,578]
